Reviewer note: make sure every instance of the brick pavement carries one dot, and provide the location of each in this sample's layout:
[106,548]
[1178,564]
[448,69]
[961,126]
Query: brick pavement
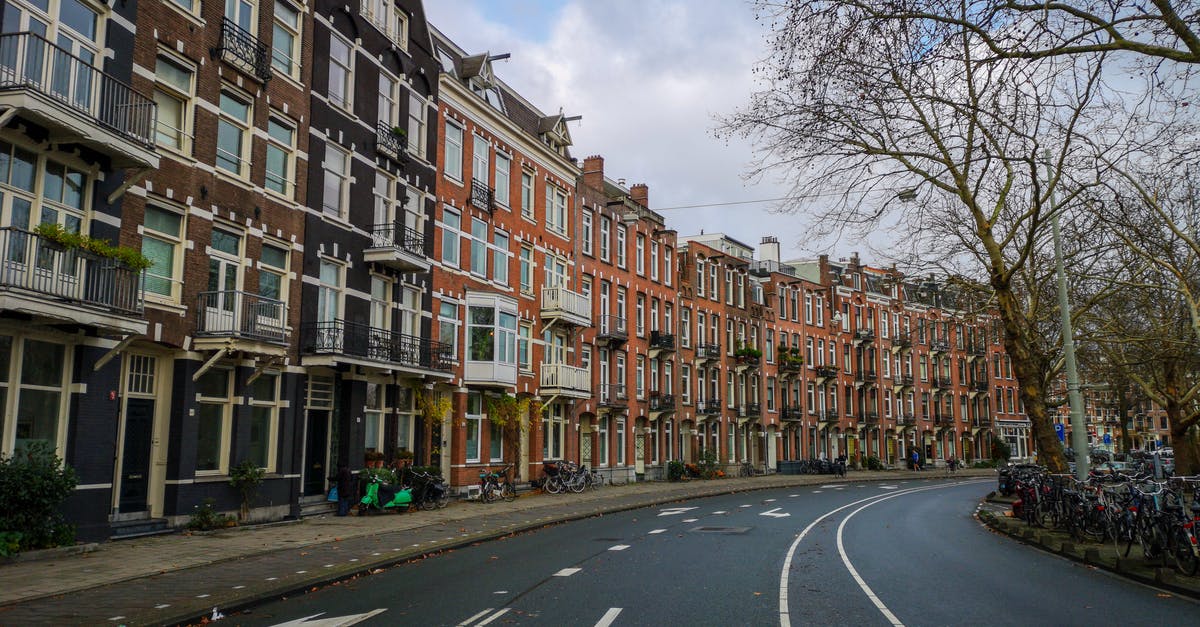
[176,578]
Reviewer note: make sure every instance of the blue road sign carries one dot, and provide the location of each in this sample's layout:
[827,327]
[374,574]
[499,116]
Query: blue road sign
[1058,429]
[1107,439]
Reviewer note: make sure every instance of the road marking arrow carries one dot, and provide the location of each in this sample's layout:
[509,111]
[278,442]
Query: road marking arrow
[333,621]
[672,511]
[772,513]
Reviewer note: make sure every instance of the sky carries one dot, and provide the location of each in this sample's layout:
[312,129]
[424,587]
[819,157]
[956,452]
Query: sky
[648,77]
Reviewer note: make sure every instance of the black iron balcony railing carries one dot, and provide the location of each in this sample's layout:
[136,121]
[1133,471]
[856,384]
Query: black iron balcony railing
[662,402]
[904,380]
[980,386]
[710,406]
[977,350]
[941,383]
[29,61]
[871,417]
[866,376]
[402,238]
[612,395]
[826,372]
[791,364]
[245,51]
[939,347]
[746,360]
[482,196]
[364,341]
[864,335]
[981,423]
[752,409]
[662,340]
[792,412]
[241,315]
[902,340]
[36,264]
[711,350]
[943,420]
[612,328]
[829,415]
[908,420]
[389,141]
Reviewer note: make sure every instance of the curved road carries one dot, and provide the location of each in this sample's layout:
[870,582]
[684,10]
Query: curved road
[907,553]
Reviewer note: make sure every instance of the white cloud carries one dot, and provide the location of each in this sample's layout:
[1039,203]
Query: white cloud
[647,77]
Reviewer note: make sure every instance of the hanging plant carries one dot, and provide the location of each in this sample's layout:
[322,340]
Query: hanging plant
[129,257]
[435,408]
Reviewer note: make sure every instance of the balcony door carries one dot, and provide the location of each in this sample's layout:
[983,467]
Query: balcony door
[220,306]
[241,13]
[61,49]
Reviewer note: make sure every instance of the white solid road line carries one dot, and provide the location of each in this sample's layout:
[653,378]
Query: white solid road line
[493,617]
[784,615]
[608,617]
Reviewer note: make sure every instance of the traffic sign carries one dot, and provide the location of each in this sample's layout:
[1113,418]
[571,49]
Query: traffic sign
[1058,429]
[1107,439]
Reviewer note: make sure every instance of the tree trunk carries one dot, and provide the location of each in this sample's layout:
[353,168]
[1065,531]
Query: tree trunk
[1187,451]
[1029,375]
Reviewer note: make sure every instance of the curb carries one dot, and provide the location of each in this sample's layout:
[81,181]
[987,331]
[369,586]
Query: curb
[46,554]
[237,604]
[1059,544]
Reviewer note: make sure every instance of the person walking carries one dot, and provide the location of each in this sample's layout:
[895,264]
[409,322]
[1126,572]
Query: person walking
[345,488]
[916,459]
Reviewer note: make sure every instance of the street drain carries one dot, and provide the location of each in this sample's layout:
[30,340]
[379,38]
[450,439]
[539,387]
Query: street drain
[725,530]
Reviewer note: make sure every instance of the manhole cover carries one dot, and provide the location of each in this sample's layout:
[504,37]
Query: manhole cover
[726,530]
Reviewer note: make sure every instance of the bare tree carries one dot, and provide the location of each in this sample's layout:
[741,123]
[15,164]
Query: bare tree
[873,109]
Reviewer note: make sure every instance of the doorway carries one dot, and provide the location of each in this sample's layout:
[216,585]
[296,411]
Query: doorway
[316,450]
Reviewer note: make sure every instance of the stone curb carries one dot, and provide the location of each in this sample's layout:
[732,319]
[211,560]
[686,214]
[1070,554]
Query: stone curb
[238,602]
[1059,544]
[46,554]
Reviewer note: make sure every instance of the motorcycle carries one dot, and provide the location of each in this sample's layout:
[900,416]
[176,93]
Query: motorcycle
[429,491]
[382,497]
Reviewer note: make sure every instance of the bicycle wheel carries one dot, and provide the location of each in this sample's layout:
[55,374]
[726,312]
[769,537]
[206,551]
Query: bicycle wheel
[428,502]
[1131,535]
[553,485]
[507,491]
[488,494]
[1186,559]
[577,484]
[596,480]
[443,499]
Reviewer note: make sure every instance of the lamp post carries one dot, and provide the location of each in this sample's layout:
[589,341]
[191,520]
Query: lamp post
[1074,398]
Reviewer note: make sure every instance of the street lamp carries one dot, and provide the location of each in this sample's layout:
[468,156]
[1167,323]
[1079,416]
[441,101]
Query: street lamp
[1074,398]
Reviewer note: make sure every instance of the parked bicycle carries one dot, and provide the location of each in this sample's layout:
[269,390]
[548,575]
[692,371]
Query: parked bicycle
[491,487]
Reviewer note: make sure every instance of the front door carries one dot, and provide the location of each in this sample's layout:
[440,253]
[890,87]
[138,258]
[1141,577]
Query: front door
[135,454]
[316,448]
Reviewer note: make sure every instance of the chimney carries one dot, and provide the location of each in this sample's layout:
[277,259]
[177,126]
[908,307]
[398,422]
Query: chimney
[593,172]
[854,261]
[640,193]
[768,249]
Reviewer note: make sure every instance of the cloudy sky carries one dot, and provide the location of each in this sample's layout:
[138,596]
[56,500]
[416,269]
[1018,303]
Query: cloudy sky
[648,77]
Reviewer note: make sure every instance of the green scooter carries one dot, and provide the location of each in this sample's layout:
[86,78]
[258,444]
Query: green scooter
[382,497]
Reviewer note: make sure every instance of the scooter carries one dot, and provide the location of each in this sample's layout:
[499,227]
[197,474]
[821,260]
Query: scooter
[382,497]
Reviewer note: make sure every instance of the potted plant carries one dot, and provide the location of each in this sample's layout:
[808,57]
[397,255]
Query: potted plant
[245,478]
[373,458]
[55,237]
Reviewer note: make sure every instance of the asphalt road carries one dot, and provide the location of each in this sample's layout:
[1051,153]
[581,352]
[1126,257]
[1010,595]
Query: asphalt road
[871,554]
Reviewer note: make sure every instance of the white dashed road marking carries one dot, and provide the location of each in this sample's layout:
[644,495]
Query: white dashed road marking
[492,617]
[608,617]
[690,520]
[672,511]
[567,572]
[472,619]
[720,511]
[656,531]
[619,547]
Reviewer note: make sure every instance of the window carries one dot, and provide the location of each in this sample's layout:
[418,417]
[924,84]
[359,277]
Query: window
[556,209]
[492,334]
[329,292]
[654,260]
[336,192]
[173,93]
[448,326]
[685,327]
[474,419]
[479,242]
[712,281]
[728,286]
[33,390]
[481,154]
[620,441]
[281,149]
[341,71]
[621,246]
[454,152]
[500,259]
[503,167]
[700,276]
[388,105]
[586,232]
[526,269]
[272,281]
[417,125]
[264,415]
[527,195]
[373,418]
[214,409]
[602,441]
[388,18]
[685,382]
[667,272]
[605,242]
[556,271]
[233,135]
[639,263]
[640,376]
[554,425]
[285,40]
[639,309]
[162,239]
[524,349]
[451,222]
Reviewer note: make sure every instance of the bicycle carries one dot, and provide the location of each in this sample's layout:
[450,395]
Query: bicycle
[490,486]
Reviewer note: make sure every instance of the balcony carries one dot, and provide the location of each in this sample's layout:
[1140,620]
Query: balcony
[979,424]
[660,403]
[939,347]
[711,407]
[906,420]
[791,413]
[864,336]
[390,143]
[941,383]
[746,362]
[826,372]
[612,331]
[871,418]
[41,279]
[399,247]
[241,321]
[564,380]
[341,342]
[482,196]
[943,421]
[901,342]
[901,382]
[561,304]
[829,415]
[865,378]
[75,101]
[790,365]
[751,410]
[612,396]
[708,352]
[976,351]
[244,51]
[661,342]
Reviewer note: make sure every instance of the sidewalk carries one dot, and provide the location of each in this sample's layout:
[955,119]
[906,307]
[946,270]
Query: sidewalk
[177,578]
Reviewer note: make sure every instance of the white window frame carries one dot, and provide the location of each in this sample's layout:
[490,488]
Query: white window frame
[453,152]
[347,102]
[451,239]
[176,242]
[341,179]
[287,62]
[288,176]
[503,179]
[246,127]
[186,99]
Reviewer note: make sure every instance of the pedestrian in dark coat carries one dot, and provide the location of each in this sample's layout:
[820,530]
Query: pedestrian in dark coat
[345,488]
